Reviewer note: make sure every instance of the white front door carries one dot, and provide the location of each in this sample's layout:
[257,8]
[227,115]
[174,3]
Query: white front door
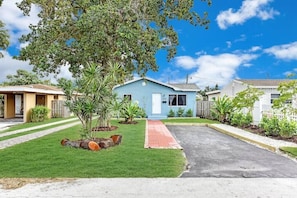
[156,103]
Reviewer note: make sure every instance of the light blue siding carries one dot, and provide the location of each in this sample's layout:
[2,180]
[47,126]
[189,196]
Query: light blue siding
[142,90]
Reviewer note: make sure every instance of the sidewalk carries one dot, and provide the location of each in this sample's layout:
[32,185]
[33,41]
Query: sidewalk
[159,188]
[258,140]
[24,138]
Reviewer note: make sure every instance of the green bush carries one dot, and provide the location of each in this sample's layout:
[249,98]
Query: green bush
[131,110]
[287,128]
[171,113]
[241,120]
[39,113]
[189,113]
[180,112]
[270,125]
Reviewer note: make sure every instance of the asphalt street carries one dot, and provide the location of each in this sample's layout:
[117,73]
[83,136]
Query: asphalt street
[213,154]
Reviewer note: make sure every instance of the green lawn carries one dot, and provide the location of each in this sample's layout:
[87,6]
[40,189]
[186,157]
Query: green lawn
[33,124]
[189,120]
[290,150]
[46,158]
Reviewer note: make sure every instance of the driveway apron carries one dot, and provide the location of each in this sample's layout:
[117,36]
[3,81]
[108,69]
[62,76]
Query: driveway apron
[213,154]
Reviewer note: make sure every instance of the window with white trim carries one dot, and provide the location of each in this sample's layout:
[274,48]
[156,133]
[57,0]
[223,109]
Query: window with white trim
[177,100]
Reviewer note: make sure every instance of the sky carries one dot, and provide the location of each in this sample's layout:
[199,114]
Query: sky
[247,39]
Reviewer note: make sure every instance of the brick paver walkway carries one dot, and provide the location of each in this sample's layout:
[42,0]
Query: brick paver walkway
[158,136]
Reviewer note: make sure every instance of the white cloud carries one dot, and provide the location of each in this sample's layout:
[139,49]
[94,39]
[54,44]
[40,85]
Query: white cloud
[185,62]
[10,66]
[217,69]
[255,48]
[16,23]
[248,10]
[285,52]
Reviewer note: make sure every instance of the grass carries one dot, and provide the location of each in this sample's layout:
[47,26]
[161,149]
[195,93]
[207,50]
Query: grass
[46,158]
[292,151]
[33,124]
[190,120]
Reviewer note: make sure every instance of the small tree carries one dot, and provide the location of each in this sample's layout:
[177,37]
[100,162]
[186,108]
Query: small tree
[91,93]
[288,90]
[247,98]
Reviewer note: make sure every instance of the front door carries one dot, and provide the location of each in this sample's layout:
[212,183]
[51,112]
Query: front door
[156,103]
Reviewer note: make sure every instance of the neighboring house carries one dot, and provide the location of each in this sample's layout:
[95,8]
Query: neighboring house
[19,100]
[268,86]
[157,98]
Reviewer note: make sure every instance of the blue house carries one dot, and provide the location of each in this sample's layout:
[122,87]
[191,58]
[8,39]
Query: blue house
[157,98]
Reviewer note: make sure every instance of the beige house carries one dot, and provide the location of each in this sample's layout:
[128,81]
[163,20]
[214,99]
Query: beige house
[19,100]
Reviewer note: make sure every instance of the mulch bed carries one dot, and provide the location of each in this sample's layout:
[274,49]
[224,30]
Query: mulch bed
[257,130]
[112,128]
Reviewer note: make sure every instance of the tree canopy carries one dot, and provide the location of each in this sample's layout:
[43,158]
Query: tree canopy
[129,32]
[4,37]
[23,77]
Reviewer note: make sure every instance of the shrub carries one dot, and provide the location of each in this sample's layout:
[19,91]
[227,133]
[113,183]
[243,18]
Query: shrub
[131,110]
[189,113]
[180,112]
[39,113]
[270,125]
[240,119]
[171,113]
[287,128]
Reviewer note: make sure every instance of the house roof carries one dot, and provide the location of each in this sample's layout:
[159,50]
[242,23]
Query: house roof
[213,92]
[177,87]
[188,86]
[34,88]
[263,82]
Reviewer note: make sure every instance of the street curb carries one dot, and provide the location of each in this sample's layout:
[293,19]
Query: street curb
[263,145]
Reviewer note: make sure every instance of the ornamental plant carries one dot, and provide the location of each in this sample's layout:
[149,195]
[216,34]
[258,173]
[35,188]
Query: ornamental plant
[287,128]
[240,119]
[270,125]
[39,113]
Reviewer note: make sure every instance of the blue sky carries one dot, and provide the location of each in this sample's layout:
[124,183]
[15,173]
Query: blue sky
[248,39]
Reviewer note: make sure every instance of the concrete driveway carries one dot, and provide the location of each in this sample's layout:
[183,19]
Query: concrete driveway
[213,154]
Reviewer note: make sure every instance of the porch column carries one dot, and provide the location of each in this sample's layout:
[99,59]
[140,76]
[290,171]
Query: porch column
[9,106]
[48,103]
[29,103]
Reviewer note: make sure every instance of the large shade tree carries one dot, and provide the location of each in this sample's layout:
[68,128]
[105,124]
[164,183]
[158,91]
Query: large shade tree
[129,32]
[4,37]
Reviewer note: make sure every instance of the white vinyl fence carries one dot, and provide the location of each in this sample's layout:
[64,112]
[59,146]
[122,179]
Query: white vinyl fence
[279,115]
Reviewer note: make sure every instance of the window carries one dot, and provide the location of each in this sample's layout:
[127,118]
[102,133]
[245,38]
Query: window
[182,100]
[177,100]
[273,97]
[172,100]
[128,97]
